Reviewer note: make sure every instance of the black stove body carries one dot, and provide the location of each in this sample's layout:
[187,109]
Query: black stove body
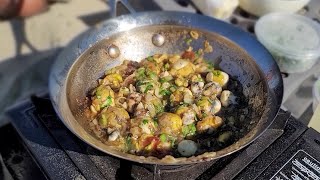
[287,150]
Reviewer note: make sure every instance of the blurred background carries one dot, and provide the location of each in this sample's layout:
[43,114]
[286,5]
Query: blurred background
[30,42]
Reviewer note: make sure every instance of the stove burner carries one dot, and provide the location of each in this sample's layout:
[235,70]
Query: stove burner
[61,155]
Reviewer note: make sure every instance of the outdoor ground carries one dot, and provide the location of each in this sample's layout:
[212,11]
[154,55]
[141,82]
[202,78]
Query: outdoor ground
[24,43]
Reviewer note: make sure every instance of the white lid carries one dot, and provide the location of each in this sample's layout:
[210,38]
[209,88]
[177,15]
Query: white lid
[291,34]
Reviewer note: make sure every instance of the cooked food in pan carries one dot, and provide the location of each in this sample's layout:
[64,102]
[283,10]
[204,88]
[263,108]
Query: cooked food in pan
[177,105]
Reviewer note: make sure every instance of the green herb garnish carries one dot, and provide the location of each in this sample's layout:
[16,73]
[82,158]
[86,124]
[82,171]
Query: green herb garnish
[128,143]
[103,120]
[192,128]
[141,73]
[151,74]
[165,92]
[172,140]
[163,137]
[145,121]
[197,54]
[159,108]
[216,73]
[200,80]
[162,80]
[166,66]
[189,130]
[107,102]
[155,123]
[149,86]
[188,41]
[210,64]
[204,114]
[99,91]
[185,130]
[173,88]
[150,58]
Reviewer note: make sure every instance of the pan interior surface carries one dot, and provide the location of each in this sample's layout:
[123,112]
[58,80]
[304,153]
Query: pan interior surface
[136,45]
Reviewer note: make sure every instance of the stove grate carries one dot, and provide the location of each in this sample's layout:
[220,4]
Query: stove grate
[62,155]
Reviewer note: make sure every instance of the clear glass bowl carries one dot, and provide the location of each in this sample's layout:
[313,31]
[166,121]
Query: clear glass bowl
[292,39]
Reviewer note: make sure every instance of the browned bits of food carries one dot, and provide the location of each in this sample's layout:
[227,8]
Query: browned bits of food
[188,55]
[194,34]
[163,105]
[207,47]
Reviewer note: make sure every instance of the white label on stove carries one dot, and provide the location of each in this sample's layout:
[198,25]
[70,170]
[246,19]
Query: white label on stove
[300,166]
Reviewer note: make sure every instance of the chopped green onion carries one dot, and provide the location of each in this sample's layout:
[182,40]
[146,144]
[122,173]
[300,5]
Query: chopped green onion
[141,70]
[165,79]
[192,128]
[162,80]
[141,73]
[172,140]
[173,88]
[107,102]
[98,92]
[166,66]
[165,92]
[150,73]
[197,53]
[204,114]
[185,130]
[155,123]
[150,58]
[149,86]
[145,121]
[189,130]
[128,143]
[210,64]
[159,108]
[200,79]
[188,41]
[139,83]
[216,73]
[103,121]
[163,137]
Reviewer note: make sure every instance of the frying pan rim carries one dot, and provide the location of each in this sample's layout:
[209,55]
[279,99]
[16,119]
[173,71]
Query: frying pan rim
[63,87]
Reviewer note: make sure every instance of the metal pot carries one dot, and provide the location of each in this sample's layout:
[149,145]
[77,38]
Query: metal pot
[86,59]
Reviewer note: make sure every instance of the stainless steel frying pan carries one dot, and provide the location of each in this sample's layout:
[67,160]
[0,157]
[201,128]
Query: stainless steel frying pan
[135,37]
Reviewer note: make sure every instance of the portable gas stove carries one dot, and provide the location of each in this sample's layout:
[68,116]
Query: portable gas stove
[287,150]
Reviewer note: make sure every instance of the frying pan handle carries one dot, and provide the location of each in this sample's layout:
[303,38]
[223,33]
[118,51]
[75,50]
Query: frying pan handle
[114,5]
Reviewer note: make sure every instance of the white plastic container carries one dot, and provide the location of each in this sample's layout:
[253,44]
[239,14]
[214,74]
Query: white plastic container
[220,9]
[293,40]
[261,7]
